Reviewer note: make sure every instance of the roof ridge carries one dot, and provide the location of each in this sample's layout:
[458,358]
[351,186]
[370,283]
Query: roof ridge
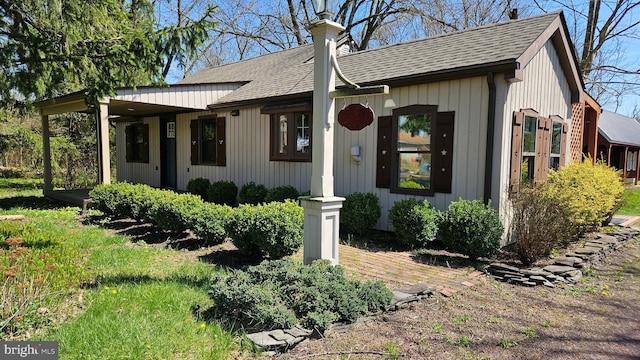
[467,30]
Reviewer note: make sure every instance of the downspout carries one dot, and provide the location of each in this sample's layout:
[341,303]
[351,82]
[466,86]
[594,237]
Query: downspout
[491,124]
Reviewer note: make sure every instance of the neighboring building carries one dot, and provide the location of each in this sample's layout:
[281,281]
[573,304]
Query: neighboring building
[619,143]
[487,107]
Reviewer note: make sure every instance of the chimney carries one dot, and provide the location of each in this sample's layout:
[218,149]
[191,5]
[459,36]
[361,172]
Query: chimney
[513,14]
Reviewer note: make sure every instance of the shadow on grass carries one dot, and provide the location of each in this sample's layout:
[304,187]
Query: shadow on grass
[31,203]
[191,281]
[231,258]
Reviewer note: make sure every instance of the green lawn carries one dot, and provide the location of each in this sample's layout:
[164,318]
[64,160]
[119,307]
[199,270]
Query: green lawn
[632,203]
[107,297]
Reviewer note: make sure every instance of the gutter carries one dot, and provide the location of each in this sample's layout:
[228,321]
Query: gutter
[491,124]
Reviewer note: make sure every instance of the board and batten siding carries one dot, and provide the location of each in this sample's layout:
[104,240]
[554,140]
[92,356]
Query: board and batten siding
[247,137]
[184,96]
[134,172]
[467,97]
[247,151]
[545,89]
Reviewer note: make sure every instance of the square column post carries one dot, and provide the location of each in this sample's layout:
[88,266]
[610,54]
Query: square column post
[46,155]
[104,156]
[322,208]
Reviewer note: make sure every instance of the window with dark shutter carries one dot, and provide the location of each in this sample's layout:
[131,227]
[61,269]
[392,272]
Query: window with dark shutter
[208,145]
[415,150]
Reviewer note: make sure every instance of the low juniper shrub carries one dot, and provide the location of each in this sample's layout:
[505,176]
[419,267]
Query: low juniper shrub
[360,212]
[471,228]
[415,222]
[282,293]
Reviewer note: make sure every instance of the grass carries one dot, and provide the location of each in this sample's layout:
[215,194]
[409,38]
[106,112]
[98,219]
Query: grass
[632,202]
[109,298]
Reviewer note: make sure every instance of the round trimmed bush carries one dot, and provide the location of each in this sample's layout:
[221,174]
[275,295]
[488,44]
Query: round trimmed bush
[415,222]
[275,229]
[471,228]
[223,193]
[250,193]
[208,222]
[282,193]
[359,213]
[199,186]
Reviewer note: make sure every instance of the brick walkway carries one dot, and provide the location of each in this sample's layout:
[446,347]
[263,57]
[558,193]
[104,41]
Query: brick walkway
[402,268]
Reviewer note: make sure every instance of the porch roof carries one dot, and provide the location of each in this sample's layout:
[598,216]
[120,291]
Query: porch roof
[619,129]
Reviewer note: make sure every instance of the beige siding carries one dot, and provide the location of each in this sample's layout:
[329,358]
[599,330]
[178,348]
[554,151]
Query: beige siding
[248,147]
[544,89]
[467,97]
[187,96]
[247,154]
[139,172]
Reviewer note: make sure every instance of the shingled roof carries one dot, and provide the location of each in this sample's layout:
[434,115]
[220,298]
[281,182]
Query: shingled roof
[502,47]
[619,129]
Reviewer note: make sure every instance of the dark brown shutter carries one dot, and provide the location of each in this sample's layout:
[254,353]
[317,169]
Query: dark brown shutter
[563,144]
[195,142]
[129,140]
[516,151]
[221,144]
[383,162]
[542,150]
[442,153]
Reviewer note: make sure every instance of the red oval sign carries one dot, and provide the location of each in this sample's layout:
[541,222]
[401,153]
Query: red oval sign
[356,117]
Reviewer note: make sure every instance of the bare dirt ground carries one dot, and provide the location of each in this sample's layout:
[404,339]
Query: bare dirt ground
[596,319]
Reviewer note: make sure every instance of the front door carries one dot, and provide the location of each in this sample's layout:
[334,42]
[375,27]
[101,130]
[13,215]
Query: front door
[168,151]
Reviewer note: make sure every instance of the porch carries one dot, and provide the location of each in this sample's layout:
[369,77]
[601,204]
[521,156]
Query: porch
[78,197]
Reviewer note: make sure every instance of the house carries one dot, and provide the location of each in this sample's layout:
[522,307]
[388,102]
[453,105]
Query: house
[468,115]
[619,143]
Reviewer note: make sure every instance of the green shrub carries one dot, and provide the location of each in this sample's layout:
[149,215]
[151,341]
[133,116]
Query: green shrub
[282,193]
[471,228]
[275,229]
[250,193]
[208,223]
[539,223]
[591,192]
[415,222]
[282,293]
[172,211]
[223,193]
[199,186]
[359,213]
[111,198]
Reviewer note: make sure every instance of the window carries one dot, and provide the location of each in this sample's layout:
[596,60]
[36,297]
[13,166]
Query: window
[208,141]
[290,132]
[137,139]
[529,148]
[537,145]
[632,160]
[556,141]
[415,150]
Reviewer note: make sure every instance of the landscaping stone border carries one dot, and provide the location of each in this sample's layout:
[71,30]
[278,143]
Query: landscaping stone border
[281,340]
[567,269]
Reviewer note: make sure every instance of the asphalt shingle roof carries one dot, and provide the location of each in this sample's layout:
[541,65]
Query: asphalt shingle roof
[290,72]
[619,129]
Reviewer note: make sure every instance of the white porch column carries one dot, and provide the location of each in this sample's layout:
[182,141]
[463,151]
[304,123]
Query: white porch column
[104,156]
[322,208]
[46,155]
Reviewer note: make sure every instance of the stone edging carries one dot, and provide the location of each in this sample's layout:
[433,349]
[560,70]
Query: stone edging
[567,269]
[278,341]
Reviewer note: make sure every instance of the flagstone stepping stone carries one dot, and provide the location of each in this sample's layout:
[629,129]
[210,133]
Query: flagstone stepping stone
[558,269]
